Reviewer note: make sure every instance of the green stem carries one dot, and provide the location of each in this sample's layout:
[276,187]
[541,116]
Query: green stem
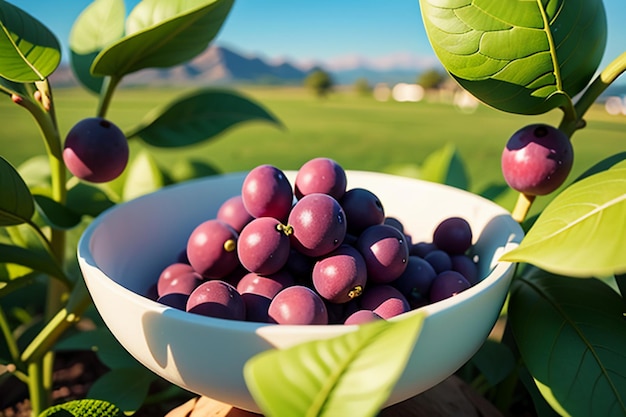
[106,94]
[612,71]
[66,317]
[8,336]
[40,397]
[522,207]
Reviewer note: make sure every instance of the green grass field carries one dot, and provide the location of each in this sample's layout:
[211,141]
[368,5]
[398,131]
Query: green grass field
[358,132]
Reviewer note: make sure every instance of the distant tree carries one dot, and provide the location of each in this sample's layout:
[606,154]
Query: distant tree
[362,87]
[431,79]
[319,81]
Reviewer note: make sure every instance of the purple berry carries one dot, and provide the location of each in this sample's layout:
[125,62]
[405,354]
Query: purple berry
[385,251]
[453,235]
[320,175]
[211,249]
[266,192]
[341,275]
[234,213]
[95,150]
[446,285]
[384,300]
[319,224]
[363,209]
[362,317]
[298,305]
[263,246]
[537,159]
[218,299]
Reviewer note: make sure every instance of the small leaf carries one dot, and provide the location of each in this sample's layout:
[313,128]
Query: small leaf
[571,334]
[38,261]
[126,388]
[16,202]
[35,171]
[197,117]
[56,214]
[524,57]
[445,166]
[582,232]
[98,26]
[162,33]
[144,176]
[29,51]
[83,408]
[348,375]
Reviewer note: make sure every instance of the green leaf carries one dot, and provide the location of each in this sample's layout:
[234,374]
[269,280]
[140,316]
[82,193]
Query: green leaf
[88,199]
[495,361]
[35,171]
[582,232]
[524,57]
[56,214]
[143,176]
[186,169]
[83,408]
[348,375]
[16,202]
[614,161]
[197,117]
[126,388]
[445,166]
[29,51]
[11,87]
[98,26]
[571,334]
[162,33]
[36,260]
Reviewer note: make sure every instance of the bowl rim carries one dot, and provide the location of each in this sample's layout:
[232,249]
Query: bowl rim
[86,260]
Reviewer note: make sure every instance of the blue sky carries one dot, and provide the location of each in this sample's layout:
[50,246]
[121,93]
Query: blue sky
[321,30]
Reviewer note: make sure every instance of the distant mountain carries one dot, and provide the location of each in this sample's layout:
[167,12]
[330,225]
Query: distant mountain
[220,65]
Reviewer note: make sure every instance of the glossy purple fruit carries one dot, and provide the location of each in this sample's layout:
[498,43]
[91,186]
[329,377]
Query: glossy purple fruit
[257,292]
[422,248]
[298,305]
[341,275]
[385,251]
[416,279]
[446,285]
[453,235]
[537,159]
[263,246]
[363,209]
[439,259]
[362,317]
[216,298]
[95,150]
[234,213]
[320,175]
[178,278]
[384,300]
[212,249]
[466,266]
[267,192]
[319,224]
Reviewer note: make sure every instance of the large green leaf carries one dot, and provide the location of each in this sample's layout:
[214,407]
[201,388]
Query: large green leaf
[16,202]
[348,375]
[98,26]
[35,260]
[83,408]
[519,56]
[572,336]
[197,117]
[29,51]
[162,33]
[582,232]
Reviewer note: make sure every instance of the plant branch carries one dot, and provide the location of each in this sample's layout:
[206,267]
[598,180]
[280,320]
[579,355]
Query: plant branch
[522,207]
[106,94]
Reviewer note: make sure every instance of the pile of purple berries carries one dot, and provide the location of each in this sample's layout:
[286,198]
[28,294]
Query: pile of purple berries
[312,253]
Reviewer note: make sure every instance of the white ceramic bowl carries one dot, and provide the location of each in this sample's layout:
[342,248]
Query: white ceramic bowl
[123,250]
